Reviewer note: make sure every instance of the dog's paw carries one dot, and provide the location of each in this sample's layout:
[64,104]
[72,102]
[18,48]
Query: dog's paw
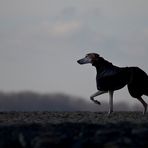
[97,102]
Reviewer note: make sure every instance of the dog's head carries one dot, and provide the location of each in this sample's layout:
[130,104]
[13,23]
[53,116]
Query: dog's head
[89,58]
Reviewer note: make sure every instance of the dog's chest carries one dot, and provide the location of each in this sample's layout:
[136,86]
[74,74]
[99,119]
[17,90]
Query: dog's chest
[110,79]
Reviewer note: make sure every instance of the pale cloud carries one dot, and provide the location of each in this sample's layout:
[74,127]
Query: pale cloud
[64,28]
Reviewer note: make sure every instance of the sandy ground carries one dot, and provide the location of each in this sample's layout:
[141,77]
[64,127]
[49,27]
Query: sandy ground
[73,129]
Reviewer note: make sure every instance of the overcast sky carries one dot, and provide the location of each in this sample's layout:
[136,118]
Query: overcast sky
[41,40]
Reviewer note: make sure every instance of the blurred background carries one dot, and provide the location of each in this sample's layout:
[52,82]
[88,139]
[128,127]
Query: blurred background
[40,42]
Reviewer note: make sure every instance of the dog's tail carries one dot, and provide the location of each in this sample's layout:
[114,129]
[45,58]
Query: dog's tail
[146,92]
[138,84]
[146,87]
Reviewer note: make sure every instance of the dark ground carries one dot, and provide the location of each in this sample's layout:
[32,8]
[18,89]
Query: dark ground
[73,129]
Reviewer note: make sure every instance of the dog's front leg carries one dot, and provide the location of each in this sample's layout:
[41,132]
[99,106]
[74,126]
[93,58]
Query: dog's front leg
[97,94]
[110,102]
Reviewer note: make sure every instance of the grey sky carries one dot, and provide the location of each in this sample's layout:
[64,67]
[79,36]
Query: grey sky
[40,42]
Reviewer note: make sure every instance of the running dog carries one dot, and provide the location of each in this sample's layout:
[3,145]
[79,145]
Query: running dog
[110,78]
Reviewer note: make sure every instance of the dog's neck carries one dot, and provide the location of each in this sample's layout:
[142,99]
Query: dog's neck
[101,63]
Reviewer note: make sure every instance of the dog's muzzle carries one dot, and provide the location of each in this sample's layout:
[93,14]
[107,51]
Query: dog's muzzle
[84,60]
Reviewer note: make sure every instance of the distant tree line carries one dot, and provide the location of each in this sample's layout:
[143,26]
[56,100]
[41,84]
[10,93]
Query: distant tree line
[32,101]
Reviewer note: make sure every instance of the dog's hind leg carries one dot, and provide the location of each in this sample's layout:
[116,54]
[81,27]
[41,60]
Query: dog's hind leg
[97,94]
[110,102]
[143,103]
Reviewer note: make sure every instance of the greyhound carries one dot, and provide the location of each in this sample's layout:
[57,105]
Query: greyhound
[110,78]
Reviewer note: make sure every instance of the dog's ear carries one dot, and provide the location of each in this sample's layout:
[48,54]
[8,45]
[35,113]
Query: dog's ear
[97,56]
